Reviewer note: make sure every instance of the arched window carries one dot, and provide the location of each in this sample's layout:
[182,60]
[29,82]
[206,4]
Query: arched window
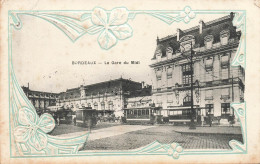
[187,99]
[102,106]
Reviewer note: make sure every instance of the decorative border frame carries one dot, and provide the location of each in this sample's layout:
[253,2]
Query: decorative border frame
[28,132]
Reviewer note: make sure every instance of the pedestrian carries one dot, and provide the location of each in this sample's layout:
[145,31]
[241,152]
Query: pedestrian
[58,120]
[74,120]
[210,120]
[202,120]
[231,120]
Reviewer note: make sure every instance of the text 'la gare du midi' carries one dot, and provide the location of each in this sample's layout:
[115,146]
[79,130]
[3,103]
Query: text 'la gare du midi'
[105,62]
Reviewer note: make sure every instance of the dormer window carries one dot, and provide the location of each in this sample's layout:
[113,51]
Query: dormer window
[208,41]
[186,42]
[224,36]
[169,52]
[158,53]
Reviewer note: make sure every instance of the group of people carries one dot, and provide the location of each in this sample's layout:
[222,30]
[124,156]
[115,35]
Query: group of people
[209,119]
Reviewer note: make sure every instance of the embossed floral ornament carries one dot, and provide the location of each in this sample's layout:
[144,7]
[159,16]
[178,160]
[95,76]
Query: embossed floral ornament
[175,150]
[187,14]
[114,26]
[32,129]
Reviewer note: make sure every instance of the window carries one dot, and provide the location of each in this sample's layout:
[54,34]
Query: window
[224,36]
[225,66]
[171,112]
[102,106]
[177,112]
[241,72]
[187,46]
[186,79]
[209,64]
[169,72]
[208,41]
[225,61]
[158,54]
[89,105]
[186,112]
[135,112]
[143,112]
[187,100]
[209,109]
[186,68]
[159,74]
[110,105]
[169,52]
[225,110]
[209,94]
[186,74]
[96,106]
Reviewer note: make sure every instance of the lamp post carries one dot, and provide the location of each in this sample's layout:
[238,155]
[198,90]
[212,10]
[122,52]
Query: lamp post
[192,123]
[192,111]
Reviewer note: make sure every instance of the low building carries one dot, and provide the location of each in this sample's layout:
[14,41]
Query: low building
[39,99]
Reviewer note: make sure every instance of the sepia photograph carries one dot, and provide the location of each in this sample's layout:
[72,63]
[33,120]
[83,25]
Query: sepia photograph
[185,97]
[130,82]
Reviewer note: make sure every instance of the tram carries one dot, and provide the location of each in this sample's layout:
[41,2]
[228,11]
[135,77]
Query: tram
[145,115]
[86,117]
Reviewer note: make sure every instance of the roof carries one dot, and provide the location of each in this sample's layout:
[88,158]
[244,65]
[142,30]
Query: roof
[210,28]
[111,86]
[147,91]
[26,89]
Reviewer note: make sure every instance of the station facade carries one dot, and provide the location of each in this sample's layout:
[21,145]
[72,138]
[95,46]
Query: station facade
[107,97]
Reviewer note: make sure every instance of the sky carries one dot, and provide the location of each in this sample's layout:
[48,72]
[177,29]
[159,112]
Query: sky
[43,55]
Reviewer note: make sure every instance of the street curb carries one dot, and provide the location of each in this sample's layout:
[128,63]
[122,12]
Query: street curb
[207,134]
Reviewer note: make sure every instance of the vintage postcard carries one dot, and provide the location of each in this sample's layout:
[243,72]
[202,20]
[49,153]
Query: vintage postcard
[130,81]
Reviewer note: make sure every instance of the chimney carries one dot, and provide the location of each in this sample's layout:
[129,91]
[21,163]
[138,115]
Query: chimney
[179,32]
[202,25]
[28,86]
[157,40]
[142,84]
[232,15]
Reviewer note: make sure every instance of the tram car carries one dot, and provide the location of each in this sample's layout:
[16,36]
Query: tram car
[145,115]
[86,117]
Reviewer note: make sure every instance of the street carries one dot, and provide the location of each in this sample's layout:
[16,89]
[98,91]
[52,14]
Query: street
[126,137]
